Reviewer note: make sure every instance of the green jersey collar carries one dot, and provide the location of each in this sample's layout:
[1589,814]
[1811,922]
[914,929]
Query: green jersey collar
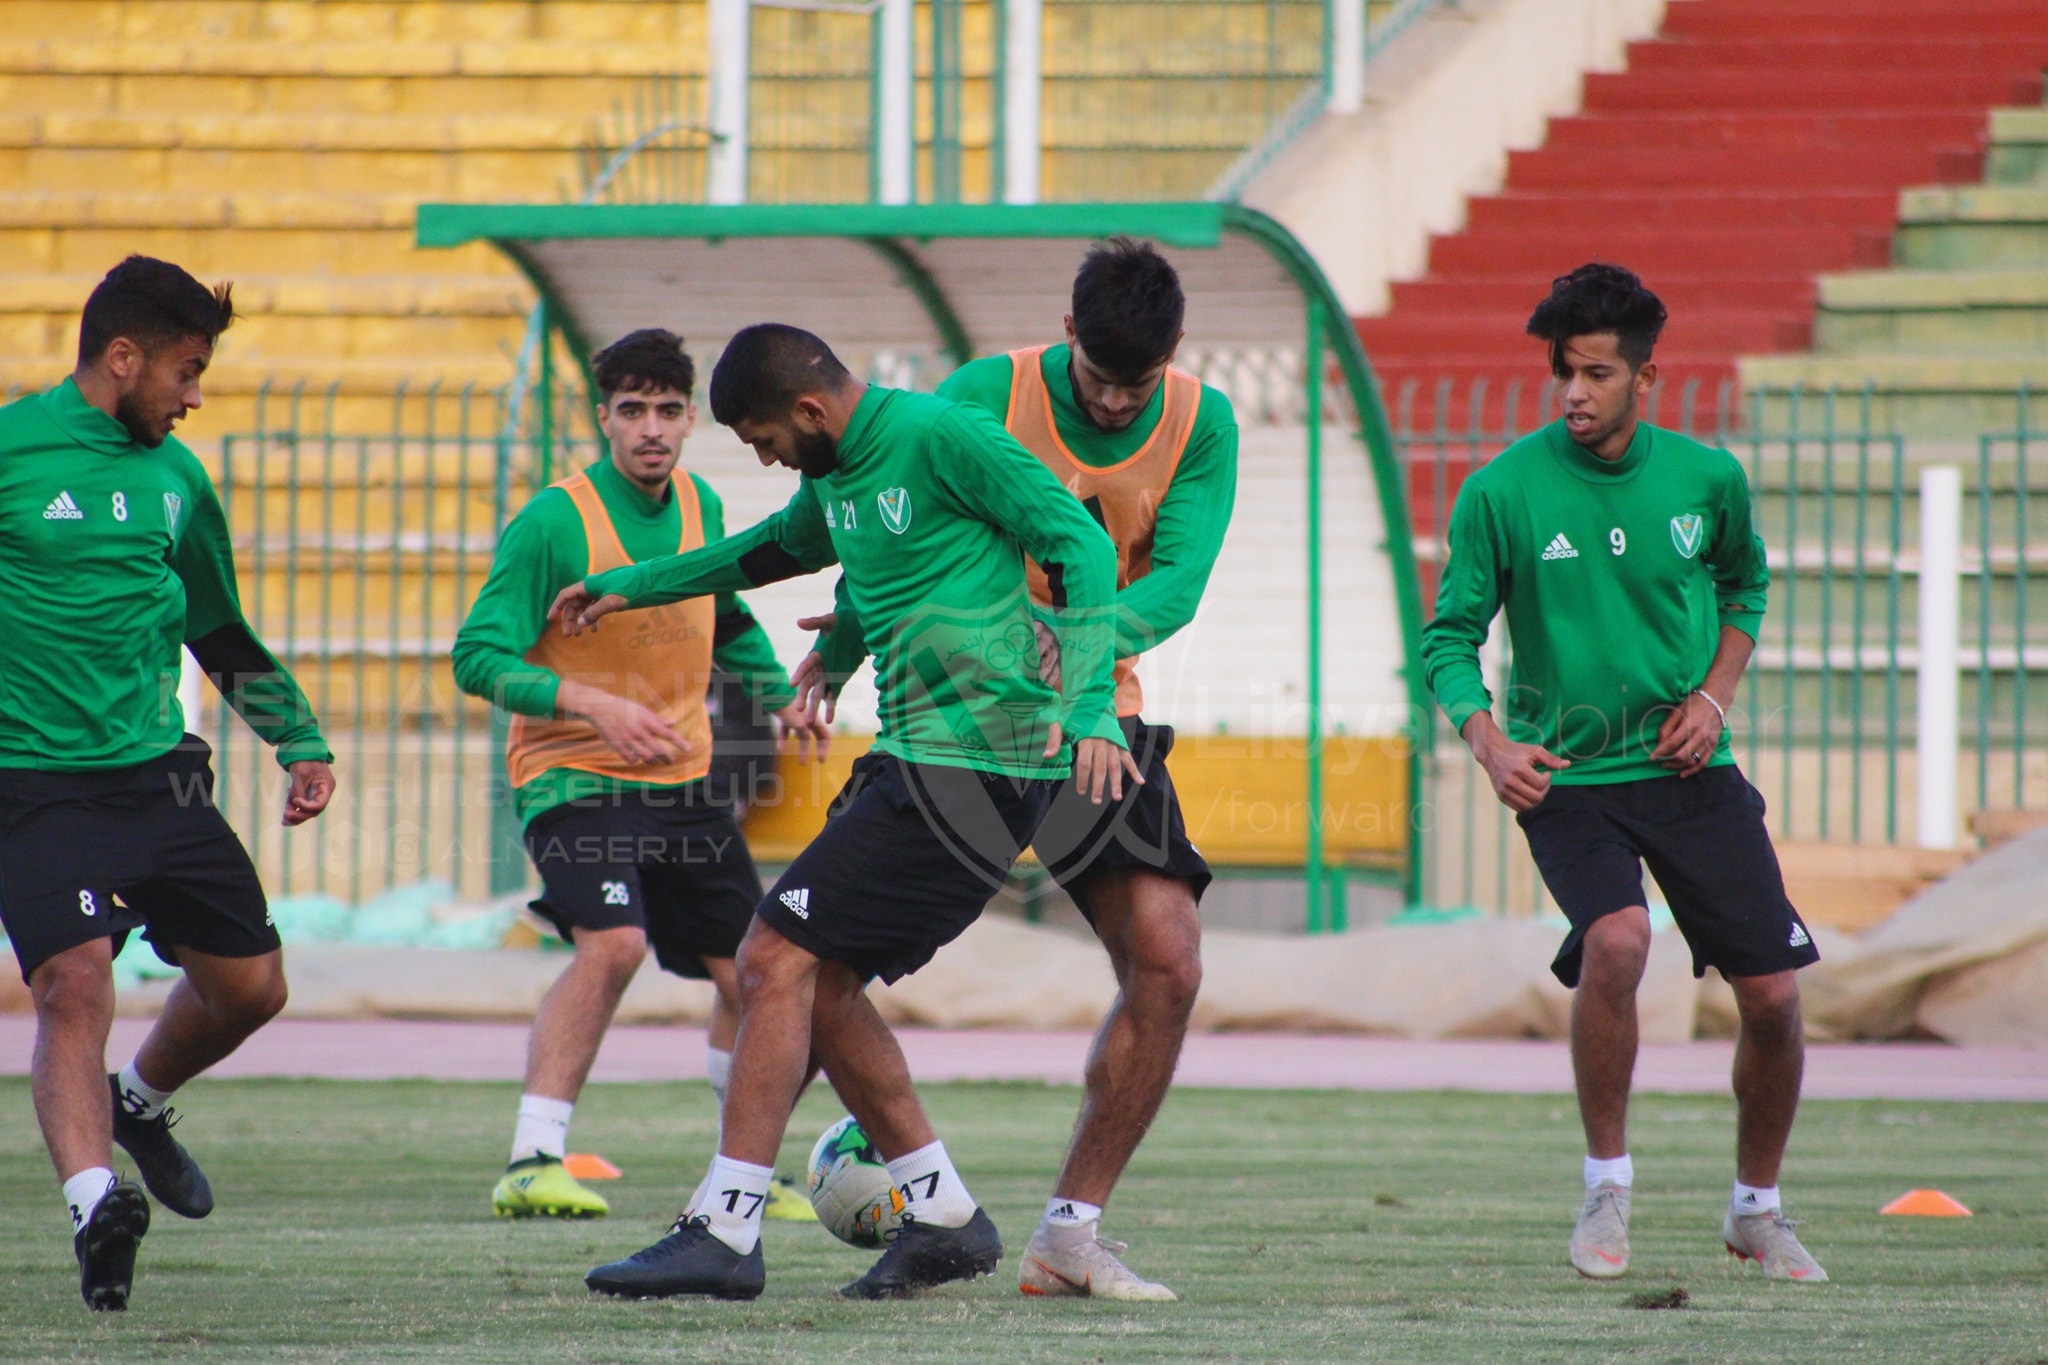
[84,423]
[857,426]
[624,492]
[1591,467]
[1090,443]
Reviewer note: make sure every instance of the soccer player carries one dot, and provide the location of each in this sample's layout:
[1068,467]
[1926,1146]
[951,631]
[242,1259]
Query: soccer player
[114,554]
[610,745]
[1633,582]
[930,507]
[1152,454]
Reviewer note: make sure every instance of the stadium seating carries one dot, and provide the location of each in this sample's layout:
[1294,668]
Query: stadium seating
[1752,146]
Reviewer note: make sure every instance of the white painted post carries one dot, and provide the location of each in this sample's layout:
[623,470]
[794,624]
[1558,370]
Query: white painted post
[190,700]
[1941,590]
[1347,56]
[1023,44]
[896,132]
[731,37]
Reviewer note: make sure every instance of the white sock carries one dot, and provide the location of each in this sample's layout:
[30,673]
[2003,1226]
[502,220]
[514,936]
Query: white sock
[738,1192]
[931,1188]
[1070,1213]
[543,1127]
[84,1191]
[1754,1198]
[699,1197]
[139,1097]
[718,1066]
[1620,1171]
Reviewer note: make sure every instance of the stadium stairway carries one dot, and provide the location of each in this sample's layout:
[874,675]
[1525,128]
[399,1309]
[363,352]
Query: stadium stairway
[1749,148]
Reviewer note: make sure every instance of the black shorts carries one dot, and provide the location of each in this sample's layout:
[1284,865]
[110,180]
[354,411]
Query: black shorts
[671,863]
[1144,831]
[909,855]
[1705,842]
[71,843]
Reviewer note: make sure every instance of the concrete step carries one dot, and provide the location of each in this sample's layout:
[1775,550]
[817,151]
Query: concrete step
[1714,88]
[1978,227]
[1937,396]
[478,339]
[311,133]
[1958,50]
[43,86]
[1743,130]
[1732,209]
[512,175]
[1756,167]
[1723,20]
[1647,251]
[1979,311]
[288,24]
[1681,291]
[2018,152]
[1500,335]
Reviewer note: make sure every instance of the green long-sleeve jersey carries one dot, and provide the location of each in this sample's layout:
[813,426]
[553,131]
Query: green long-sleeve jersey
[1616,579]
[1192,517]
[113,556]
[543,550]
[931,511]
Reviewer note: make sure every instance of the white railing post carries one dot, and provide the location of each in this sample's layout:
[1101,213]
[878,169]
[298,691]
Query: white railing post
[895,132]
[726,180]
[1346,19]
[1941,536]
[1023,44]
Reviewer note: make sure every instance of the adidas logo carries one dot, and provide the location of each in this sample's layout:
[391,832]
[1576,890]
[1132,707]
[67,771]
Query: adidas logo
[1559,548]
[1749,1199]
[1063,1211]
[798,899]
[1799,938]
[62,508]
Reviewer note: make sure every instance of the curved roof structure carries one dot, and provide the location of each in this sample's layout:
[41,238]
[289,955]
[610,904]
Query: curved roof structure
[913,290]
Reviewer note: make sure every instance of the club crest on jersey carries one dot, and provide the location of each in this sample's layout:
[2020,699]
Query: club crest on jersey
[895,505]
[1686,532]
[173,504]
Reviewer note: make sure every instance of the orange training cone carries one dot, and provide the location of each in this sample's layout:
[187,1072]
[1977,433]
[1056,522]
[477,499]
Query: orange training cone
[1926,1204]
[585,1166]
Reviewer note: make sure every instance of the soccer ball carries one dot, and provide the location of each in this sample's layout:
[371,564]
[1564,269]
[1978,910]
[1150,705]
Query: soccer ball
[851,1190]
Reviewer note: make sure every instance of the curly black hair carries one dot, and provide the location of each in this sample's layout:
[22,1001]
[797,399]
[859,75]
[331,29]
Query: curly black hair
[1599,298]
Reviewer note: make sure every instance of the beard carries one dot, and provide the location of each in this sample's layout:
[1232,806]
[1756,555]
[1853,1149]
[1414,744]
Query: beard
[141,430]
[817,454]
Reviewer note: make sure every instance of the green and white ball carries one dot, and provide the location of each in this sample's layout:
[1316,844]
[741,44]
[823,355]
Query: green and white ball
[851,1190]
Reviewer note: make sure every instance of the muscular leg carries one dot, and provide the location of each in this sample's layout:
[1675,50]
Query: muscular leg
[74,999]
[209,1013]
[1153,932]
[778,982]
[573,1016]
[1770,1056]
[866,1066]
[1617,948]
[725,1005]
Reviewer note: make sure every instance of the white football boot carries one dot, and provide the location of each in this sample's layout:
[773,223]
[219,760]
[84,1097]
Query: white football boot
[1075,1263]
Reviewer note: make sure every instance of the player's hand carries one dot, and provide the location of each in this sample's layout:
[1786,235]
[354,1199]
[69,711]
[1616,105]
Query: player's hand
[312,789]
[1520,773]
[578,611]
[635,733]
[1048,653]
[1099,764]
[1688,737]
[798,728]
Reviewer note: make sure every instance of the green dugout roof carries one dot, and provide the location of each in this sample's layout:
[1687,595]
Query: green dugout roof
[947,283]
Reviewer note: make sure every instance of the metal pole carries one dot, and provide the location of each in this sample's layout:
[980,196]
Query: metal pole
[895,128]
[1941,534]
[1344,55]
[1023,39]
[546,424]
[731,68]
[1313,883]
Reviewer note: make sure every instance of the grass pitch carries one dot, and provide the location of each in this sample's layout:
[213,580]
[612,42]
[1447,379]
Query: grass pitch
[354,1225]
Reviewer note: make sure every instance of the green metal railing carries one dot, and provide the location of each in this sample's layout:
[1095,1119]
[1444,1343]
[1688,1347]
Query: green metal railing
[1825,724]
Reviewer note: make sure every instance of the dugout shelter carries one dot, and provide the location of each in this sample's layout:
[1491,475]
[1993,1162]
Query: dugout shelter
[1298,691]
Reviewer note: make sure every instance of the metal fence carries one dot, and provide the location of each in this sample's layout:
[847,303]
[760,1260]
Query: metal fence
[1829,723]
